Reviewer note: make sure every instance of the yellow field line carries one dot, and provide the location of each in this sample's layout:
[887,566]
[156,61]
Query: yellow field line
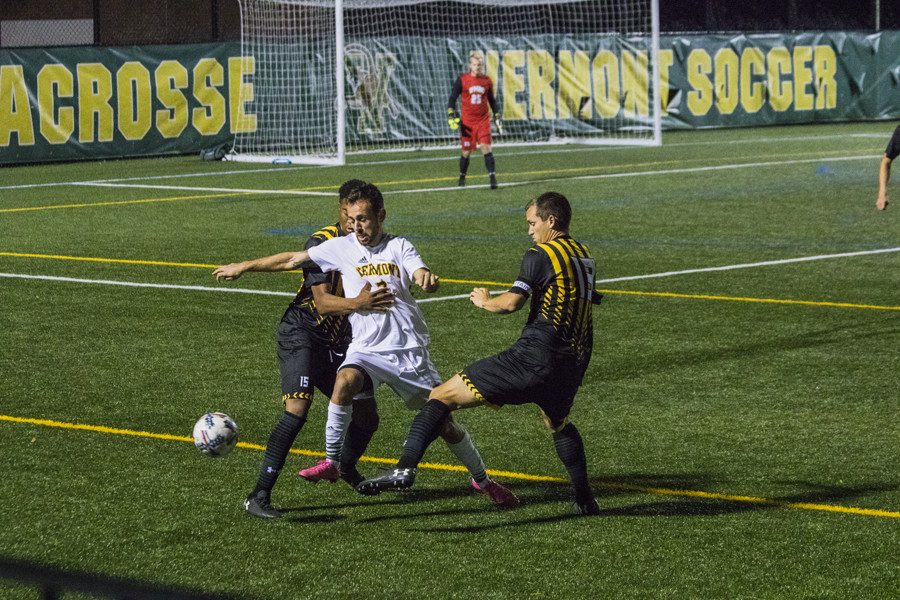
[123,261]
[123,202]
[477,282]
[870,512]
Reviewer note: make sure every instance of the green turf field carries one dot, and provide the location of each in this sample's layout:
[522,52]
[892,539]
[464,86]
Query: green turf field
[742,425]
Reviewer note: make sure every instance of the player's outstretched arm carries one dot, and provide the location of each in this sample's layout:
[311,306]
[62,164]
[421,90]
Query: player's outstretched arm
[884,175]
[284,261]
[505,303]
[426,280]
[377,300]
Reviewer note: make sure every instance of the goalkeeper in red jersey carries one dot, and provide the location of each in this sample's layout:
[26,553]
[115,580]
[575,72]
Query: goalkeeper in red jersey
[477,91]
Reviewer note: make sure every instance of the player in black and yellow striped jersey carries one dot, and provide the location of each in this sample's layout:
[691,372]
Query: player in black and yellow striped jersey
[312,339]
[544,367]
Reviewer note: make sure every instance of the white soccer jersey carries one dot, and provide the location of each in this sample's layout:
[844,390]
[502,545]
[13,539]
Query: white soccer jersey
[391,263]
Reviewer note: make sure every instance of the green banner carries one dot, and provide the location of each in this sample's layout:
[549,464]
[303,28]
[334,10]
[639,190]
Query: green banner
[88,103]
[777,79]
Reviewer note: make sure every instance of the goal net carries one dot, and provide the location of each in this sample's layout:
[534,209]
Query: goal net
[331,77]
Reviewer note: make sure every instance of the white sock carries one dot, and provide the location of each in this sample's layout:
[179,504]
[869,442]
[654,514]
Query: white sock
[336,429]
[468,455]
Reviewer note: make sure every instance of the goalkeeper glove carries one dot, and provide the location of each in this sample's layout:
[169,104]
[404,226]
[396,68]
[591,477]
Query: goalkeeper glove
[498,123]
[453,119]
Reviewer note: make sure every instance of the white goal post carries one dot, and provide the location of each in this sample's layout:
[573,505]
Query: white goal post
[325,78]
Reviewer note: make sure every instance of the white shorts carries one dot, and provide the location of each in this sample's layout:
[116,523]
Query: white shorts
[408,372]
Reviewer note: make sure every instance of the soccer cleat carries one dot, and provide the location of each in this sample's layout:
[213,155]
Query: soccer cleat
[462,181]
[493,181]
[398,479]
[351,475]
[260,505]
[587,508]
[323,470]
[501,496]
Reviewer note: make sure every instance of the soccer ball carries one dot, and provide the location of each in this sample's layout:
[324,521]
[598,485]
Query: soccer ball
[215,434]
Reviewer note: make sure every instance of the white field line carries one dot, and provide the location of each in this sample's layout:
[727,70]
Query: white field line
[203,189]
[509,184]
[195,288]
[765,263]
[552,149]
[201,288]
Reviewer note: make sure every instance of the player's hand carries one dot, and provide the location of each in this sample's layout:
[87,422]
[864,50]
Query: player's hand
[379,300]
[453,119]
[430,282]
[479,296]
[229,272]
[498,123]
[882,202]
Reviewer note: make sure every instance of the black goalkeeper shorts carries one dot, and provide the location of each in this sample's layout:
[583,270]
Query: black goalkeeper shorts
[527,374]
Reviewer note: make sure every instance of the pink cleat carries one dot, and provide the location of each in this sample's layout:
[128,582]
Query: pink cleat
[501,497]
[323,470]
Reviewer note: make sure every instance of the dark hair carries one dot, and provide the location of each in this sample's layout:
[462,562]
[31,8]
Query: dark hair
[552,203]
[369,193]
[348,186]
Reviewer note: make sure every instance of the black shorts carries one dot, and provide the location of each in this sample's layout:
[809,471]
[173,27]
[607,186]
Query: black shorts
[527,374]
[305,364]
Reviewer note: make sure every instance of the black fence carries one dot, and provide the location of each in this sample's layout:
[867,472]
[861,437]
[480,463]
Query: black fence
[127,22]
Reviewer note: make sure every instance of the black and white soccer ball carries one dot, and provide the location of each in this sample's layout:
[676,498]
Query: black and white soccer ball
[215,434]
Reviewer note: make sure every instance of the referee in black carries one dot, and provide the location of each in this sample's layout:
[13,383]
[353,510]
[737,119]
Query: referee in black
[544,367]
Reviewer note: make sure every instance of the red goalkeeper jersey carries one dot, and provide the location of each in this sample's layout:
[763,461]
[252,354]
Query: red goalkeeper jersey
[477,94]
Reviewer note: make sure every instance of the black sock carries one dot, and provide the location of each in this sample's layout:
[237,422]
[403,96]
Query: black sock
[463,165]
[489,162]
[424,430]
[280,441]
[362,427]
[570,449]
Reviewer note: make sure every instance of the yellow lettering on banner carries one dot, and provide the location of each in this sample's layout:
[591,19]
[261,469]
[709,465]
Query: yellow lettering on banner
[135,100]
[753,93]
[825,62]
[513,84]
[781,92]
[666,60]
[55,81]
[605,73]
[15,112]
[700,98]
[635,82]
[240,93]
[94,93]
[726,81]
[574,85]
[492,69]
[171,78]
[803,100]
[541,73]
[210,118]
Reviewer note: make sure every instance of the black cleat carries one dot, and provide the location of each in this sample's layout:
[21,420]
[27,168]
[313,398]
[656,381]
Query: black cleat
[587,508]
[351,475]
[260,505]
[493,181]
[462,181]
[398,479]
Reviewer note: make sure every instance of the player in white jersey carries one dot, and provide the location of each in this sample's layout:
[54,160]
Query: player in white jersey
[390,346]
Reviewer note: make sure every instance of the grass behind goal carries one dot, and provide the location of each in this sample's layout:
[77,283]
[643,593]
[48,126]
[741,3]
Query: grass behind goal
[740,424]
